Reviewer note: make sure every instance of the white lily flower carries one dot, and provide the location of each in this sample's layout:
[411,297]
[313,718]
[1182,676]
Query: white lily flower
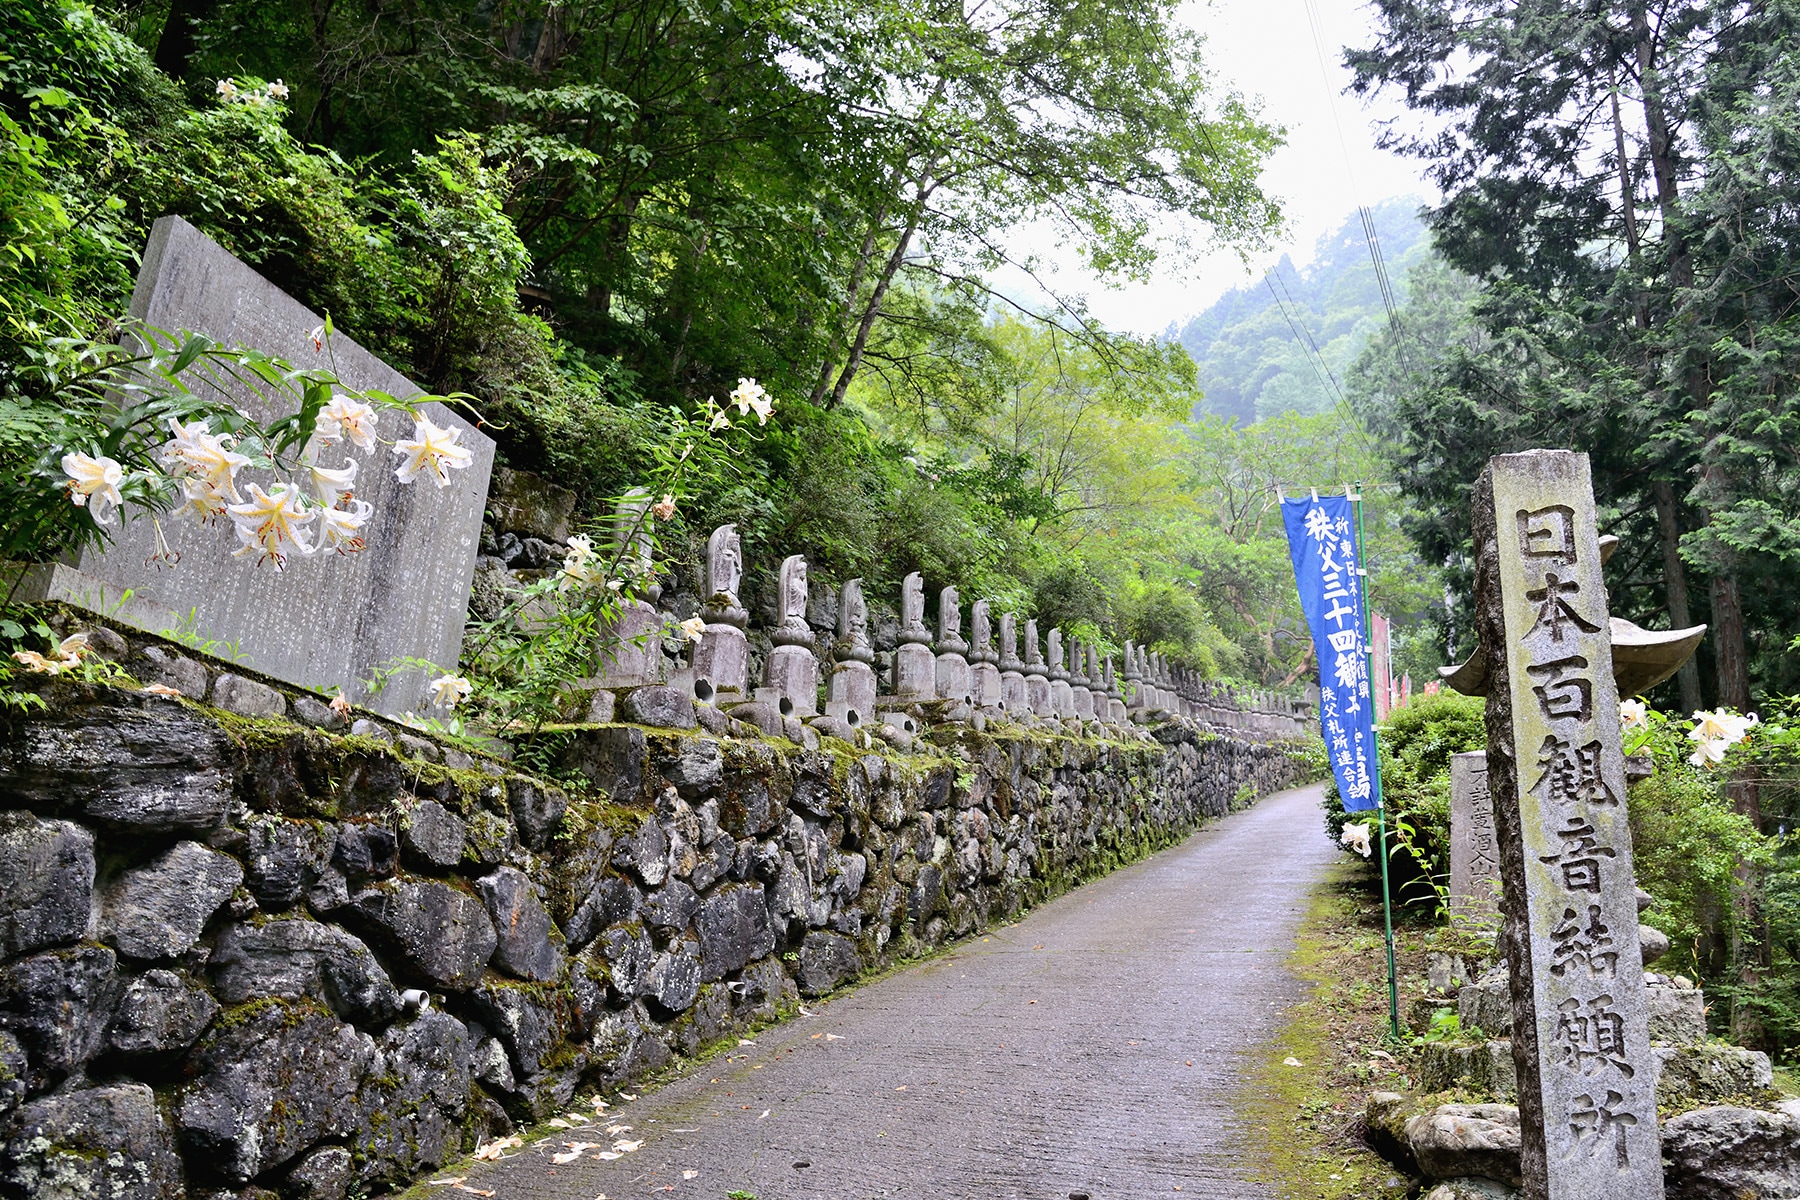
[227,89]
[341,528]
[271,523]
[694,628]
[431,449]
[202,500]
[747,395]
[578,563]
[447,691]
[94,484]
[332,486]
[195,452]
[664,509]
[173,453]
[317,337]
[1633,714]
[346,417]
[1716,732]
[278,90]
[1356,837]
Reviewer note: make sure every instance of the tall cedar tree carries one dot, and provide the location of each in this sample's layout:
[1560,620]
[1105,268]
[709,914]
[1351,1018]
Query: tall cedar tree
[1620,178]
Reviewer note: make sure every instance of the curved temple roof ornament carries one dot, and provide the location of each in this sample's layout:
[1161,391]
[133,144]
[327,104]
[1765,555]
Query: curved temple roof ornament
[1642,658]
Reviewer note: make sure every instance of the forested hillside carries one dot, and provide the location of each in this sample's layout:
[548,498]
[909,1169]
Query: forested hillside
[1285,343]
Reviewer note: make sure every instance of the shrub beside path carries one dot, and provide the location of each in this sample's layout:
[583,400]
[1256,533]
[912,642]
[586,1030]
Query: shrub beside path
[1092,1048]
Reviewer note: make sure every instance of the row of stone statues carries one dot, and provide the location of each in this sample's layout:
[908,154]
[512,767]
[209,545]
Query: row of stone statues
[1070,684]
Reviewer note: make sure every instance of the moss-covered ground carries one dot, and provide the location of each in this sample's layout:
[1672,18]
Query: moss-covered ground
[1305,1121]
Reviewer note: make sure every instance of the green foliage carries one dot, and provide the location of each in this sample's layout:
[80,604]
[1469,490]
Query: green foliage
[1687,845]
[1417,741]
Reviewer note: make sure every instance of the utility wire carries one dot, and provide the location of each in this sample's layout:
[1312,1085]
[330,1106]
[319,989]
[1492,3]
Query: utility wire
[1370,238]
[1306,332]
[1320,372]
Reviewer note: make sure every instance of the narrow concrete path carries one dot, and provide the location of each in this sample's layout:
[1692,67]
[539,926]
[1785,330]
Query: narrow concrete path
[1093,1048]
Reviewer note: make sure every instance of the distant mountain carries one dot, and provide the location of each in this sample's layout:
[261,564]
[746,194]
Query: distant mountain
[1254,363]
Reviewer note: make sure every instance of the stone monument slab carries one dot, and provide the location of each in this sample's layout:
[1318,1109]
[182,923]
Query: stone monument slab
[1556,774]
[1474,843]
[329,620]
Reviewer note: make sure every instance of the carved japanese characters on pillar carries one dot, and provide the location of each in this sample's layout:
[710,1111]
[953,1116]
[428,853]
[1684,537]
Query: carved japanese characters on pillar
[1556,774]
[1474,844]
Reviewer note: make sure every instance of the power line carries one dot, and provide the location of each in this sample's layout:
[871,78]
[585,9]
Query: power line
[1306,332]
[1320,372]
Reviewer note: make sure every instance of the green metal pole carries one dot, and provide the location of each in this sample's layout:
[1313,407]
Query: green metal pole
[1387,902]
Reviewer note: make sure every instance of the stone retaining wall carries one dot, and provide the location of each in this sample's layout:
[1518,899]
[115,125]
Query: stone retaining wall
[239,954]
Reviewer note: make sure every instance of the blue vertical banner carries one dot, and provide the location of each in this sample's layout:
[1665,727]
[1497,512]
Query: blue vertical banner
[1322,542]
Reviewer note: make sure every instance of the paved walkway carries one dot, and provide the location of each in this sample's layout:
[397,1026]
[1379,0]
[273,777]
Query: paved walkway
[1090,1049]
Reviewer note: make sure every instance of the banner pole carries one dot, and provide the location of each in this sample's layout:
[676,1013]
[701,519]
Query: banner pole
[1387,902]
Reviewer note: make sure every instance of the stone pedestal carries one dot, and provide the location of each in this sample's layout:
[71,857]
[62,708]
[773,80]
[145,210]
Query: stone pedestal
[915,672]
[850,692]
[1013,693]
[629,647]
[1474,844]
[986,684]
[1083,701]
[722,662]
[793,672]
[1556,774]
[955,679]
[1062,703]
[1037,694]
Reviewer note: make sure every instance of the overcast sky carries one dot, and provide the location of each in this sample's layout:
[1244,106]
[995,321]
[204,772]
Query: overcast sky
[1266,48]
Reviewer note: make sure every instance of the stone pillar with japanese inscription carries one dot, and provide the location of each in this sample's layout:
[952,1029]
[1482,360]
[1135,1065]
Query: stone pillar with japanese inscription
[1556,775]
[1474,844]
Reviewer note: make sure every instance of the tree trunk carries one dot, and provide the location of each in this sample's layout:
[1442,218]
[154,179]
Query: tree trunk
[175,45]
[850,293]
[871,310]
[1728,643]
[1676,585]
